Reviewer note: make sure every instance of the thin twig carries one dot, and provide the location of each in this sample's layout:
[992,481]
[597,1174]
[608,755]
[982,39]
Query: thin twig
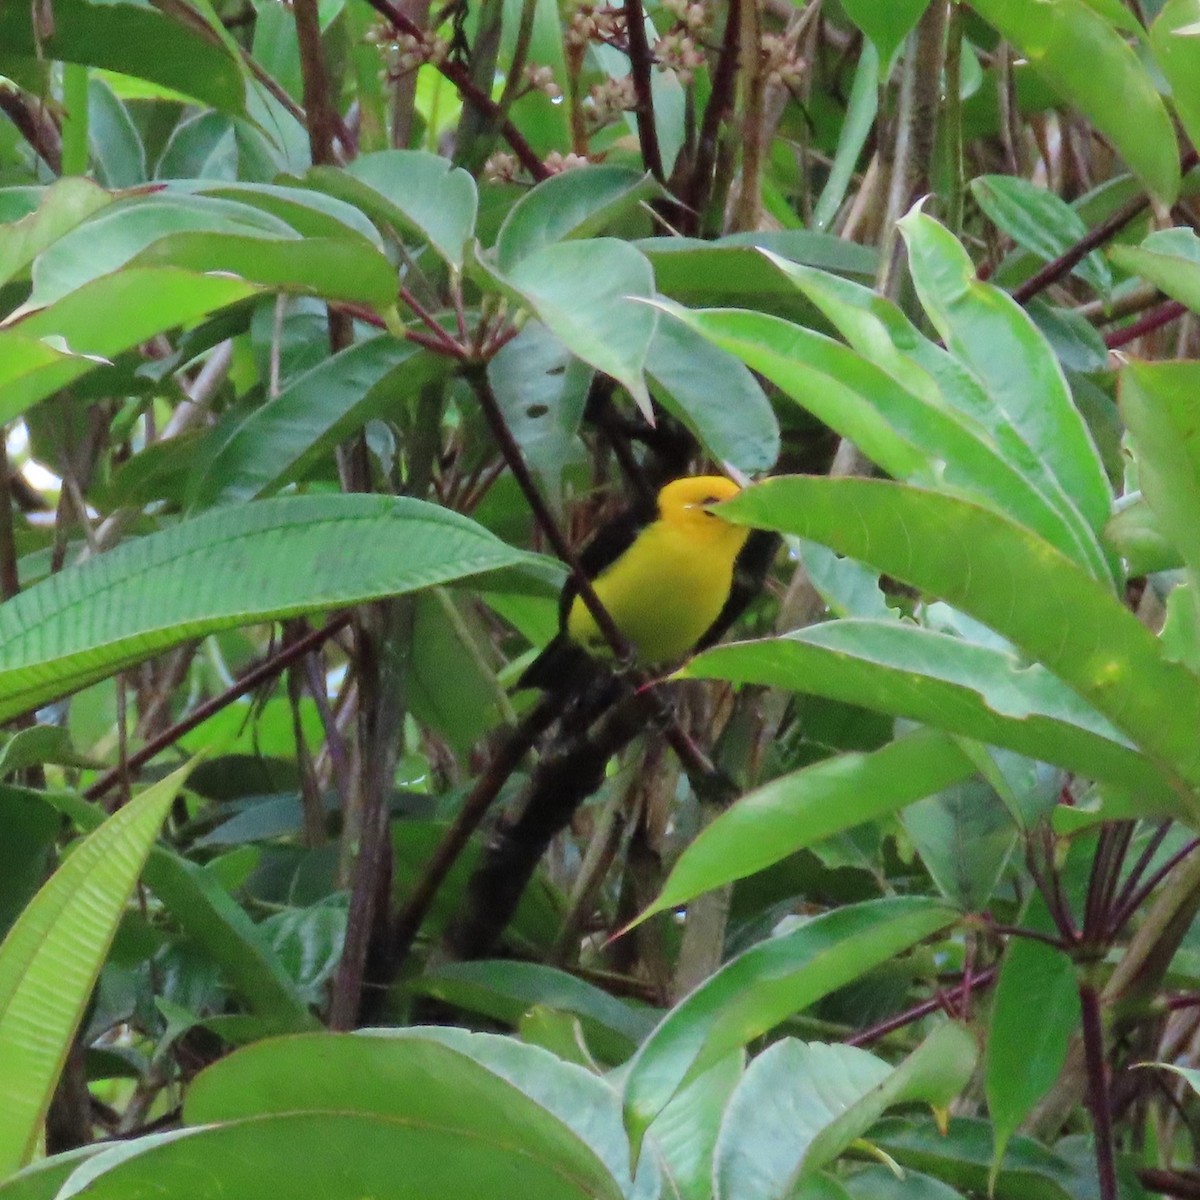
[248,682]
[487,787]
[1156,318]
[1062,266]
[1139,897]
[873,1033]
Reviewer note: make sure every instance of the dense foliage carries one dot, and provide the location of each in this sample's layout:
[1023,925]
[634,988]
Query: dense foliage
[328,332]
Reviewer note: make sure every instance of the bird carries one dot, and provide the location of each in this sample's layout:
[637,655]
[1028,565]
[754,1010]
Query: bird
[667,582]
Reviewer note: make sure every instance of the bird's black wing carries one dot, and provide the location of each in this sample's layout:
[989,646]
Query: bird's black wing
[562,660]
[749,571]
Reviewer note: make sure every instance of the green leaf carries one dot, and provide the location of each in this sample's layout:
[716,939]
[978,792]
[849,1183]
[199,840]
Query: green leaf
[1135,534]
[1013,582]
[504,990]
[684,1134]
[602,323]
[40,744]
[731,270]
[210,917]
[232,567]
[797,810]
[41,1180]
[1034,1015]
[1161,406]
[52,956]
[800,1105]
[419,193]
[343,269]
[340,1156]
[962,1158]
[887,25]
[832,382]
[964,836]
[573,204]
[1169,259]
[988,332]
[1039,221]
[1177,54]
[879,331]
[1088,63]
[255,454]
[977,691]
[30,831]
[715,396]
[62,206]
[411,1079]
[134,39]
[102,319]
[759,988]
[122,229]
[861,111]
[542,388]
[582,1100]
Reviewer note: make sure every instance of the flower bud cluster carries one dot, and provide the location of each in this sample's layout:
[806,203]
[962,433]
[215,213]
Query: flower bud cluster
[592,24]
[679,51]
[782,62]
[407,51]
[556,162]
[606,101]
[541,79]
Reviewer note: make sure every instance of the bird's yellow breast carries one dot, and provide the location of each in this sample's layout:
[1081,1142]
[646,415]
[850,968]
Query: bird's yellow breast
[667,589]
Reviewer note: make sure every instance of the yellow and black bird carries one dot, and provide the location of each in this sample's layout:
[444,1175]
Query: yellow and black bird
[670,583]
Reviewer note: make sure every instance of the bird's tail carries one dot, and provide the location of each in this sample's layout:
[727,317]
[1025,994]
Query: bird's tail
[563,665]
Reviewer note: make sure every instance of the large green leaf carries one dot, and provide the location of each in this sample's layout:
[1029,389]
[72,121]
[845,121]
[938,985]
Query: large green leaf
[1091,66]
[232,567]
[416,192]
[1161,406]
[987,331]
[62,206]
[1177,55]
[964,687]
[100,320]
[684,1134]
[887,25]
[52,955]
[910,434]
[1012,581]
[279,441]
[333,1155]
[1168,258]
[800,1105]
[602,322]
[800,809]
[715,396]
[503,991]
[209,916]
[584,1101]
[135,39]
[572,204]
[121,231]
[1025,1056]
[758,989]
[413,1079]
[879,331]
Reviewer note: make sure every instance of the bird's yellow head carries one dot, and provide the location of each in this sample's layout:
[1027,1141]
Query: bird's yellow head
[686,503]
